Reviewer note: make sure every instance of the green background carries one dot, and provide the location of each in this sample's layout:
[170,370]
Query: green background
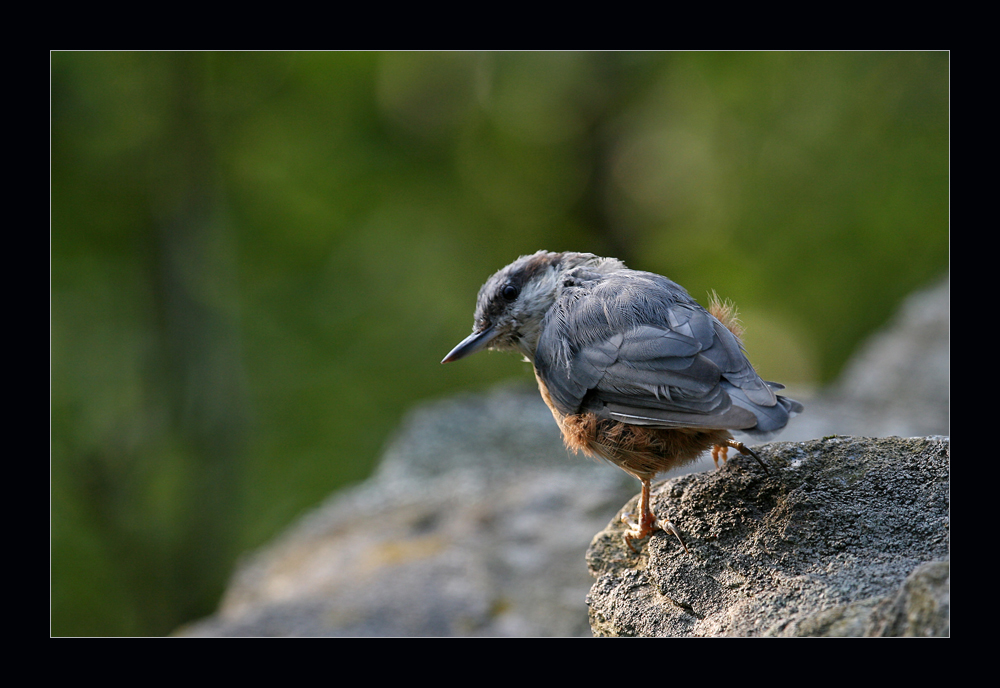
[259,259]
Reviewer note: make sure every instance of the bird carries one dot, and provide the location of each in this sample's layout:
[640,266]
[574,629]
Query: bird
[634,370]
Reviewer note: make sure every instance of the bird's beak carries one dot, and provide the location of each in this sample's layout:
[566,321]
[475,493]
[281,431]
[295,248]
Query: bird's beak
[471,344]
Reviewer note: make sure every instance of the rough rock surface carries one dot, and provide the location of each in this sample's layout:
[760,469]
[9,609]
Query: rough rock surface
[823,544]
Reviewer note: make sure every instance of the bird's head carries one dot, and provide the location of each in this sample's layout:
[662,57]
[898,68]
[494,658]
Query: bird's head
[513,303]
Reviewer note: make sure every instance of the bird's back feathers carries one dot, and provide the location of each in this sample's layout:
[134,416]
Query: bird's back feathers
[635,347]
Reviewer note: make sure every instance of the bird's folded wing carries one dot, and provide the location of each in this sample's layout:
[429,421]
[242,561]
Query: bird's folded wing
[666,364]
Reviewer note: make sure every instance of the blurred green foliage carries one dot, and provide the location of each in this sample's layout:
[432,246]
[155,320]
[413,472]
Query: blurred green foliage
[259,259]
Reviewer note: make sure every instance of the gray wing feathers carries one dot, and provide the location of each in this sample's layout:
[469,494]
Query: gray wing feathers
[651,357]
[770,419]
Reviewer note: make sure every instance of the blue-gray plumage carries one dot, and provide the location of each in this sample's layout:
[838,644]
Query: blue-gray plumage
[634,370]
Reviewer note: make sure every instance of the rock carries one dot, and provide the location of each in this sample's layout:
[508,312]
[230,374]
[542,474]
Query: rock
[843,536]
[476,522]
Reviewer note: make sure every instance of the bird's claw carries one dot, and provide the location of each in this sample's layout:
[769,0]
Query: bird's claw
[723,450]
[637,531]
[646,527]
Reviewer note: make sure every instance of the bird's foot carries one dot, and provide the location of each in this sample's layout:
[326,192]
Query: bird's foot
[723,450]
[647,521]
[646,526]
[639,531]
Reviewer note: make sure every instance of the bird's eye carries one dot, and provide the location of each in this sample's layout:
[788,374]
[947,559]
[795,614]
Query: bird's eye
[509,292]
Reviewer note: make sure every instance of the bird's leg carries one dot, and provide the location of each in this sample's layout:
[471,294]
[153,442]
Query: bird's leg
[647,521]
[717,451]
[743,449]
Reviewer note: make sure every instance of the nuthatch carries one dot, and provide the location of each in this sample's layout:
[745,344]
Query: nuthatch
[633,369]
